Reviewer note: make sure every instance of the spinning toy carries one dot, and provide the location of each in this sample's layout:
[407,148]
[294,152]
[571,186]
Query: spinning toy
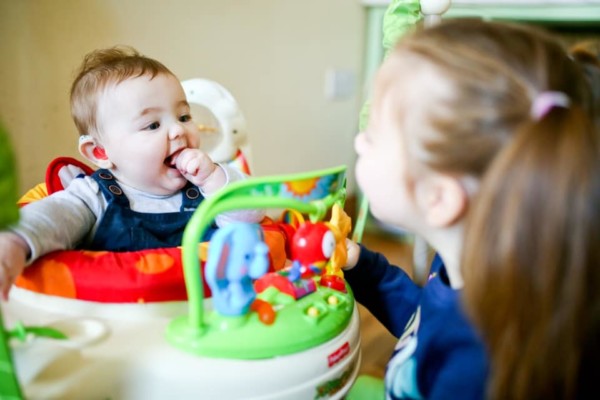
[220,120]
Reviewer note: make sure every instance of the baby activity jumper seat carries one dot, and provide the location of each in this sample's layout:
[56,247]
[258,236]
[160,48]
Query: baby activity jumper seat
[260,312]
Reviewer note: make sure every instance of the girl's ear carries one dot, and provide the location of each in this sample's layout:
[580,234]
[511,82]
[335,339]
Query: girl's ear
[91,150]
[443,199]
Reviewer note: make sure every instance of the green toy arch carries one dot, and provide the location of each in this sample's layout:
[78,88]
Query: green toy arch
[311,193]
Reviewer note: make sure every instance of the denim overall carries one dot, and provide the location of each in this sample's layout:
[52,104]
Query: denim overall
[122,229]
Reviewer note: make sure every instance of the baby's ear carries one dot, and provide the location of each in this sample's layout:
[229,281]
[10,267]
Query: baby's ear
[443,199]
[94,152]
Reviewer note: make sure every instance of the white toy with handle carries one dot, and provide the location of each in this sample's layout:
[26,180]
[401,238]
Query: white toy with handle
[223,141]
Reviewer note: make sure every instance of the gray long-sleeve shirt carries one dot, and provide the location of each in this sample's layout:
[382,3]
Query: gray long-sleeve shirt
[69,218]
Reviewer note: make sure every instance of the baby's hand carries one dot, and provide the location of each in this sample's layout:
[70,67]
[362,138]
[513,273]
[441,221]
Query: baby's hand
[197,167]
[13,255]
[353,253]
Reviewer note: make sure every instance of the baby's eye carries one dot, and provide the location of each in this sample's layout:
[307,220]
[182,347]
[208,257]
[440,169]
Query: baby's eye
[185,118]
[152,127]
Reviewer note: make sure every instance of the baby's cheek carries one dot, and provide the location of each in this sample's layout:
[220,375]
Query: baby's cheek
[194,140]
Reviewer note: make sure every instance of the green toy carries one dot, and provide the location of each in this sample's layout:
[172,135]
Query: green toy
[400,17]
[9,213]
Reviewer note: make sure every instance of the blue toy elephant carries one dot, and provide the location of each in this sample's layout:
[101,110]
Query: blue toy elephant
[237,254]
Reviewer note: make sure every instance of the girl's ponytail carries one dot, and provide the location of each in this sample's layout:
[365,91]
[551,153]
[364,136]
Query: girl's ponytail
[531,256]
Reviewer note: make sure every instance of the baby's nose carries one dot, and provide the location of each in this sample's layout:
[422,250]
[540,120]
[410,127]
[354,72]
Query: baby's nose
[177,130]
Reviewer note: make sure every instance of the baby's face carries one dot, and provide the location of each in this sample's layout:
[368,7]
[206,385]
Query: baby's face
[142,123]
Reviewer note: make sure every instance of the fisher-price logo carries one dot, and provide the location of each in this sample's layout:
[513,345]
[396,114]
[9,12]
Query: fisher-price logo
[338,355]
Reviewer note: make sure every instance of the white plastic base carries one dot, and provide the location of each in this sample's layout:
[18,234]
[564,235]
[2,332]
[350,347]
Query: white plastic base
[120,352]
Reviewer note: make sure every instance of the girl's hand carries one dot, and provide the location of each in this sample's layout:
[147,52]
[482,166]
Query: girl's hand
[353,253]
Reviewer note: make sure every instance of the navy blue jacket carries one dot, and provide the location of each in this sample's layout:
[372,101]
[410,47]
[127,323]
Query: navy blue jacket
[439,355]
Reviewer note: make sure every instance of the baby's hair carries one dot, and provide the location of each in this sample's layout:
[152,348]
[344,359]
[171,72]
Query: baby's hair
[491,73]
[100,69]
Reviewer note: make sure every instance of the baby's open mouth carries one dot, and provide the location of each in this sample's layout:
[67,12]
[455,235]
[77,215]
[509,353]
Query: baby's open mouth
[172,159]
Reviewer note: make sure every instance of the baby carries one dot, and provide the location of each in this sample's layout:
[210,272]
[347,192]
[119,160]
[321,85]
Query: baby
[135,126]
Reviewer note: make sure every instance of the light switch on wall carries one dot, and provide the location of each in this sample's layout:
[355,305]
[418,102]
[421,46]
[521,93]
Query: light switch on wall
[340,84]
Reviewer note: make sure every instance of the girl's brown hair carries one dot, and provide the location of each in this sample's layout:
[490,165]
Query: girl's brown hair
[102,68]
[495,70]
[532,257]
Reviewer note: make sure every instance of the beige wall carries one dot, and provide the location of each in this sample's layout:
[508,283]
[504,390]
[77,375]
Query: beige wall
[271,54]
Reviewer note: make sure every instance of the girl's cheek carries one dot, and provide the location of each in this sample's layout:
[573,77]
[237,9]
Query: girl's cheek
[360,173]
[360,143]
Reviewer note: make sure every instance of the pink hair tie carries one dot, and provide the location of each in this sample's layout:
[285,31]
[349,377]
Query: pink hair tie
[545,101]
